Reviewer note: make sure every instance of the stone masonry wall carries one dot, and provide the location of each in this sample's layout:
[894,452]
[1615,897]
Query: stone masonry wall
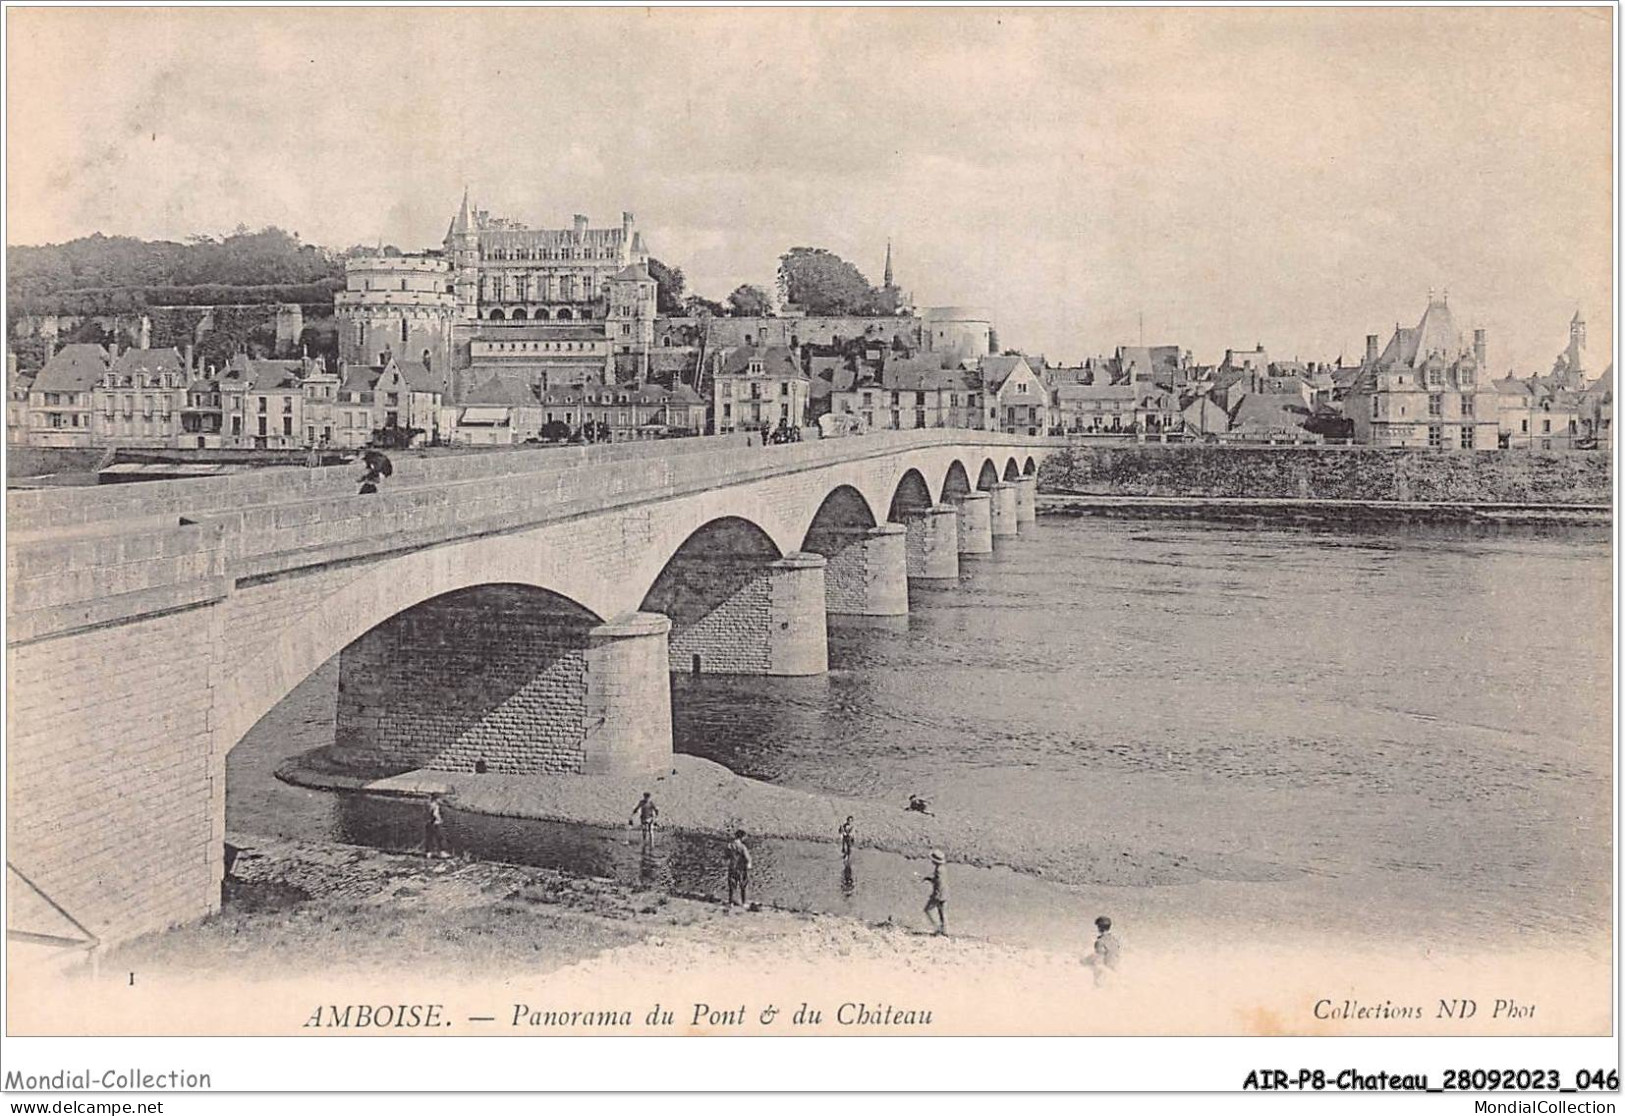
[110,807]
[732,637]
[495,674]
[1489,476]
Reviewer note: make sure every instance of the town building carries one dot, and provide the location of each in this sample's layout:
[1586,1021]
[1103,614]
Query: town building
[758,389]
[140,399]
[60,399]
[912,393]
[1016,397]
[1426,389]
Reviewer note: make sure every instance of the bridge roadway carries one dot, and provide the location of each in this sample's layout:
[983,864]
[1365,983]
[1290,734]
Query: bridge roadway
[150,626]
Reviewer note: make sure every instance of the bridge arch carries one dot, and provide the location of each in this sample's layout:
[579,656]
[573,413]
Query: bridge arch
[1011,470]
[912,494]
[841,512]
[1030,468]
[988,475]
[489,676]
[956,482]
[374,595]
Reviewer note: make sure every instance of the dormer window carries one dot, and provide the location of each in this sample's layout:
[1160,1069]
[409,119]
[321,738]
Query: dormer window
[755,368]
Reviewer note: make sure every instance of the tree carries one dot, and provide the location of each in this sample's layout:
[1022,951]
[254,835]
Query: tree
[696,307]
[821,283]
[395,437]
[750,302]
[555,430]
[669,283]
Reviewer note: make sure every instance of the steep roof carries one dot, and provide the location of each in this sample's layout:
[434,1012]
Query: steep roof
[925,374]
[1082,393]
[74,367]
[148,362]
[360,377]
[502,392]
[1266,414]
[632,273]
[776,361]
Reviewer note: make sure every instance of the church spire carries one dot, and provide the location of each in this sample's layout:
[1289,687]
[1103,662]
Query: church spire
[888,261]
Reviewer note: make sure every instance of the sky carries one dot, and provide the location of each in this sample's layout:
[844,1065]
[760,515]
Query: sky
[1296,177]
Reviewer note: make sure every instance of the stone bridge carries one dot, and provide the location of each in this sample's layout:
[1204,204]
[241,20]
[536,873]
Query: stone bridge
[516,611]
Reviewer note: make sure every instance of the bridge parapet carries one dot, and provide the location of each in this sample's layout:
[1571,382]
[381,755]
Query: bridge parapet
[55,586]
[146,565]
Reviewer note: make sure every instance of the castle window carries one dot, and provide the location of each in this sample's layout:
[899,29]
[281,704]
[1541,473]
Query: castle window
[1466,406]
[1435,405]
[1467,441]
[1435,437]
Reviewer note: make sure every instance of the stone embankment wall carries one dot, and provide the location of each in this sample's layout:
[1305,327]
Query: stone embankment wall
[1493,476]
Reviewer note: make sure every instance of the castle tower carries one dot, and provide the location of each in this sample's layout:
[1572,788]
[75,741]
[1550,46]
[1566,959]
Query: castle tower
[398,305]
[462,247]
[631,318]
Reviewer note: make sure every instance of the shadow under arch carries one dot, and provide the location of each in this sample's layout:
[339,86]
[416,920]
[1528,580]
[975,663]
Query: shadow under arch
[473,679]
[988,476]
[956,482]
[911,495]
[705,578]
[1011,470]
[843,514]
[1029,468]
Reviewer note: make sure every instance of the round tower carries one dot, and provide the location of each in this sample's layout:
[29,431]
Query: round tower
[402,306]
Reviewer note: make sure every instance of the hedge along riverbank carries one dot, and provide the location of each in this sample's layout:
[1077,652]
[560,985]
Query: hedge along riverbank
[1341,473]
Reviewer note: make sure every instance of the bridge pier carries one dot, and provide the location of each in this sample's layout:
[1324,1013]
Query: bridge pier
[976,523]
[1026,499]
[628,679]
[869,575]
[770,622]
[932,546]
[1003,516]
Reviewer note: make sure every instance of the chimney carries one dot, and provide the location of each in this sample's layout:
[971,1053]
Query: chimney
[1370,348]
[1480,348]
[191,368]
[626,224]
[581,225]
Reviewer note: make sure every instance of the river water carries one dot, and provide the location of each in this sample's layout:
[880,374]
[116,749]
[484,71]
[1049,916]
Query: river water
[1399,730]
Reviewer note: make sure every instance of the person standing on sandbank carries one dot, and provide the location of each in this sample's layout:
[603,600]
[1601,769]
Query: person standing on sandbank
[434,830]
[847,840]
[1107,948]
[938,899]
[738,868]
[648,812]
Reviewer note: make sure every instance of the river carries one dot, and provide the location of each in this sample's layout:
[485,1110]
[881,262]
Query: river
[1395,731]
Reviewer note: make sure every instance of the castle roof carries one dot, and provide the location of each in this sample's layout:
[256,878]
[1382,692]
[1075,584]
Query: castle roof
[631,273]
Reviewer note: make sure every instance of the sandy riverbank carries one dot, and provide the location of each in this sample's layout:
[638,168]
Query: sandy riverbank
[308,925]
[1086,846]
